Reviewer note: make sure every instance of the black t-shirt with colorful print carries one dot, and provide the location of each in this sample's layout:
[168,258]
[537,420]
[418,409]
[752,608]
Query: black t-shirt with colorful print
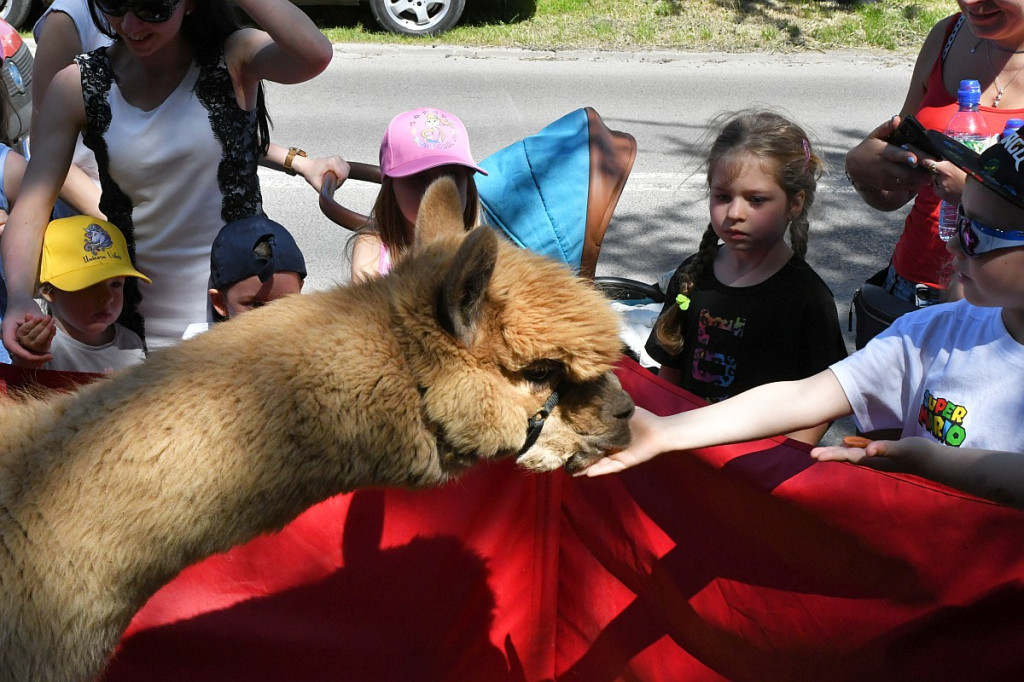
[739,337]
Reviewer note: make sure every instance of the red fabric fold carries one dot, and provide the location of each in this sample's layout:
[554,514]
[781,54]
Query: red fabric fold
[743,562]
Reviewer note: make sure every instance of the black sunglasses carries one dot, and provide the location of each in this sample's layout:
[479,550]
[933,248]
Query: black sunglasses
[150,11]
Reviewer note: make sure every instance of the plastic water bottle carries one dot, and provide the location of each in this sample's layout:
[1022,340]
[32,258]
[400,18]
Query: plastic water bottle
[1012,126]
[967,126]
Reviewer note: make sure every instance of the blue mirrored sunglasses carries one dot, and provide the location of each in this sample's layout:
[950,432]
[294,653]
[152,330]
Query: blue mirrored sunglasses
[150,11]
[977,238]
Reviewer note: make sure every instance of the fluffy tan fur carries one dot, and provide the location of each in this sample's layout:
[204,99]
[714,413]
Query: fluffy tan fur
[106,494]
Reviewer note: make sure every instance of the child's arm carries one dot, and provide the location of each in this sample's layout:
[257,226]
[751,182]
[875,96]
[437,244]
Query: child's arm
[81,192]
[36,334]
[993,475]
[767,410]
[78,189]
[365,257]
[810,436]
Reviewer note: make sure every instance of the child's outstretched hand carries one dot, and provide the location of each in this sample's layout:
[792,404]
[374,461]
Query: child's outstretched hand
[36,333]
[858,452]
[645,443]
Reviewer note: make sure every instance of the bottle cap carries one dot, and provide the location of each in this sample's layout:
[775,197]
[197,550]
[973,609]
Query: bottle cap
[1012,125]
[969,92]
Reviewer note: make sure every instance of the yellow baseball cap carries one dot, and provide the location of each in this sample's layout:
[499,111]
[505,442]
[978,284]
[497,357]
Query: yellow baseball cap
[81,251]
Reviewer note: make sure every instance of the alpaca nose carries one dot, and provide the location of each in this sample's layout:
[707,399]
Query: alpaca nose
[617,402]
[624,407]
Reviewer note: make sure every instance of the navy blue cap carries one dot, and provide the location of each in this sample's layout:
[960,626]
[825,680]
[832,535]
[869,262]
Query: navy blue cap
[233,257]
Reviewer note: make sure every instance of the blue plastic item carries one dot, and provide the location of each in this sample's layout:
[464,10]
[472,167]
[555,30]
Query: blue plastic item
[536,191]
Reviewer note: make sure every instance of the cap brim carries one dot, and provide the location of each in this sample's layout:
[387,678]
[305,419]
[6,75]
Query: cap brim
[970,161]
[85,278]
[419,165]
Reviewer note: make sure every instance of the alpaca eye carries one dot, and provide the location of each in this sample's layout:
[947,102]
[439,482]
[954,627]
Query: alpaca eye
[541,373]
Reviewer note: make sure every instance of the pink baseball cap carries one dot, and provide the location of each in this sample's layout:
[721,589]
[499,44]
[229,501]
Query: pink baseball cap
[422,139]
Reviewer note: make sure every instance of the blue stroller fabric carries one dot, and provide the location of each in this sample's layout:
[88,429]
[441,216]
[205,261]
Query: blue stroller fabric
[537,189]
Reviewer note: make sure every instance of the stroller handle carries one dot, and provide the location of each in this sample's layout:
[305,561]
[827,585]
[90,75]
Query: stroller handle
[347,218]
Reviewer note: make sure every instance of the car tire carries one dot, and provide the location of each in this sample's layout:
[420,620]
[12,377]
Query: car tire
[417,17]
[15,12]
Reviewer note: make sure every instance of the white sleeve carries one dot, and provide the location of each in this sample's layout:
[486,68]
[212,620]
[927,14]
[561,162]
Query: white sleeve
[873,379]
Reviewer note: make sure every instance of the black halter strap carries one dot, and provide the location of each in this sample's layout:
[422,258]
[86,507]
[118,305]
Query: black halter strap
[536,422]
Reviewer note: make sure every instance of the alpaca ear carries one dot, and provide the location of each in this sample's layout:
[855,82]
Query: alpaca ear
[440,212]
[461,298]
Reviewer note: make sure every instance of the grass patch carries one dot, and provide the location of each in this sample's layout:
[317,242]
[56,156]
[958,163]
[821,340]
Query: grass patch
[687,25]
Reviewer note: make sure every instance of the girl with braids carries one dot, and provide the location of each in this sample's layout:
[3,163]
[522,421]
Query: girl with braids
[174,112]
[747,309]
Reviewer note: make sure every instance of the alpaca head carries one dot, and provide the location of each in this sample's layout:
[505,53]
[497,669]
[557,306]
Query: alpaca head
[518,339]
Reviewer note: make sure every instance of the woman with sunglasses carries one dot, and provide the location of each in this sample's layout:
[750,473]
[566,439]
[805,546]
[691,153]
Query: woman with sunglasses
[951,374]
[174,111]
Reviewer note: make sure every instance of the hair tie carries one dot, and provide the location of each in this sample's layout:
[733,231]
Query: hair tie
[807,153]
[683,302]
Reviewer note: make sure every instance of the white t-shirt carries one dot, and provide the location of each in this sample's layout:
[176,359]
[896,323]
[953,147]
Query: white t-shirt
[70,355]
[949,372]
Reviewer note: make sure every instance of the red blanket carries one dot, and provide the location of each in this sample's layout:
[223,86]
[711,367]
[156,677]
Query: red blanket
[741,562]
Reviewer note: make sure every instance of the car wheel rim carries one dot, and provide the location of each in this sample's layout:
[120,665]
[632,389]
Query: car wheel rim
[420,15]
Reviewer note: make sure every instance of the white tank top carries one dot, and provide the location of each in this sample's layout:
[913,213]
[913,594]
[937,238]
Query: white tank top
[165,160]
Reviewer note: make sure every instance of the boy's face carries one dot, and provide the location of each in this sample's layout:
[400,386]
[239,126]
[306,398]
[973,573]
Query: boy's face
[251,293]
[992,278]
[88,315]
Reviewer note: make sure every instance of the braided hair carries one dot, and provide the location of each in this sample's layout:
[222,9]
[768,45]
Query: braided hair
[781,145]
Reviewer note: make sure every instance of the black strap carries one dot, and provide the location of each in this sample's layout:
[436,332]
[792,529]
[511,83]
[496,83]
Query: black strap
[536,422]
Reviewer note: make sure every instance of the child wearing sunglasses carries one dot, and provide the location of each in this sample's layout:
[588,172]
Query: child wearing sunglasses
[174,111]
[950,374]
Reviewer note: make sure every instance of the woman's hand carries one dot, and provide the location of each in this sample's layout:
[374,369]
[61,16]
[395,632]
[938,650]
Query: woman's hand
[645,443]
[19,312]
[886,176]
[313,170]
